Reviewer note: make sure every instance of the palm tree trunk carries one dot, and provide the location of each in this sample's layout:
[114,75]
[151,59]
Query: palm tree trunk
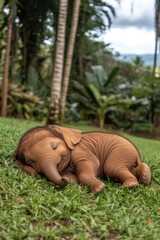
[25,56]
[1,5]
[157,36]
[54,108]
[155,55]
[157,33]
[69,55]
[6,67]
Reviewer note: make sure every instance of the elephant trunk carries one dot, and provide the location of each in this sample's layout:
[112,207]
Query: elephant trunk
[51,172]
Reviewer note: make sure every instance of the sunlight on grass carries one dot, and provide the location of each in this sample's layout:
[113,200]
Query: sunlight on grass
[33,208]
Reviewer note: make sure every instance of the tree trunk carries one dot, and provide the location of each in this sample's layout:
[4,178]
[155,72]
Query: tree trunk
[155,55]
[54,108]
[157,33]
[6,67]
[157,36]
[25,56]
[1,5]
[81,68]
[69,55]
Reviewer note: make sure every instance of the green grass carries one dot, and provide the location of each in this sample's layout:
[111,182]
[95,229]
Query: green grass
[33,208]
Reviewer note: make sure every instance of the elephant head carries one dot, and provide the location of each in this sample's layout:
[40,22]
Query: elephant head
[47,150]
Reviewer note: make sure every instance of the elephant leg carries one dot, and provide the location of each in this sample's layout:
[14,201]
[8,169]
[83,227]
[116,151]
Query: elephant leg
[87,172]
[142,173]
[128,179]
[122,174]
[72,177]
[26,168]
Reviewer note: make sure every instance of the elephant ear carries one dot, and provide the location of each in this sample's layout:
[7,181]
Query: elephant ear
[69,135]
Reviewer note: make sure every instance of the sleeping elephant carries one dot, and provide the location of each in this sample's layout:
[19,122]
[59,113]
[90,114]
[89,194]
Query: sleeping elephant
[64,155]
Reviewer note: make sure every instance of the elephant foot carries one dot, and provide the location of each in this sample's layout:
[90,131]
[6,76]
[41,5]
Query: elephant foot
[144,174]
[65,181]
[130,182]
[98,187]
[72,177]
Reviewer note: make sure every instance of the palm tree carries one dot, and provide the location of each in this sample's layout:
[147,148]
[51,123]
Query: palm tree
[12,5]
[157,33]
[95,17]
[54,108]
[33,17]
[69,55]
[1,5]
[157,38]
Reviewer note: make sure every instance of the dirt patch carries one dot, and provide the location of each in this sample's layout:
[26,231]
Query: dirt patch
[112,235]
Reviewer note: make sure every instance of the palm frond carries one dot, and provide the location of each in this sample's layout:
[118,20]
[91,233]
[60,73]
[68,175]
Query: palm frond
[111,75]
[100,74]
[96,93]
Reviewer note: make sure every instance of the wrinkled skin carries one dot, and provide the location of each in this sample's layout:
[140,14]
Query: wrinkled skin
[64,155]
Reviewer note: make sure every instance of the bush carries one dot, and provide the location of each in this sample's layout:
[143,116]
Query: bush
[142,128]
[23,103]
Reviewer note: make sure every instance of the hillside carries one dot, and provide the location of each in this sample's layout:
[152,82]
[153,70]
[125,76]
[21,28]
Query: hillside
[147,58]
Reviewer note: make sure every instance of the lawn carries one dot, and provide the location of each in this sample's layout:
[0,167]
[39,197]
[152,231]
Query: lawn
[33,208]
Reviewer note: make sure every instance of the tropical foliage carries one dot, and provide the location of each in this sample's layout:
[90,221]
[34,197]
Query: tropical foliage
[147,90]
[101,89]
[95,95]
[23,103]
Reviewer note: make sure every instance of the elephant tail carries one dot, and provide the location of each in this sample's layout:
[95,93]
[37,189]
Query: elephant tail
[142,172]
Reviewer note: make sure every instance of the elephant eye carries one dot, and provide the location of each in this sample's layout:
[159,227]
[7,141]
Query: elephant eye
[54,145]
[21,157]
[30,162]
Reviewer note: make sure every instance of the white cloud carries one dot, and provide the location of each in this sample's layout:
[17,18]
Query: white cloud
[132,30]
[130,40]
[135,8]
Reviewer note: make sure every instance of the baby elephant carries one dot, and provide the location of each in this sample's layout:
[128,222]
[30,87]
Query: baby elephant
[64,155]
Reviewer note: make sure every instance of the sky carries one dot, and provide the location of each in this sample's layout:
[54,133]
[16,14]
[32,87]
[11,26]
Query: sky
[132,31]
